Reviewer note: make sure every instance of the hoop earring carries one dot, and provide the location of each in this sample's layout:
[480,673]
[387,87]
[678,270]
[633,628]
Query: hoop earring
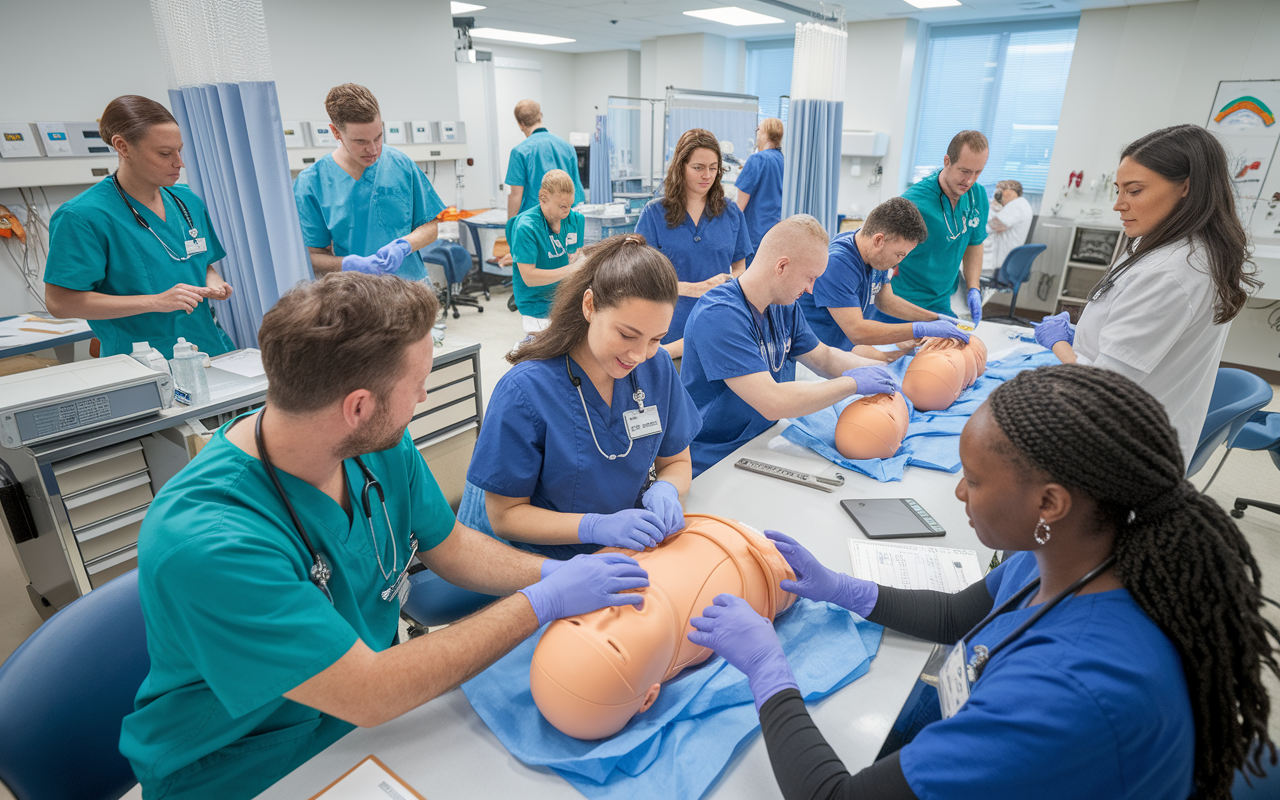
[1039,525]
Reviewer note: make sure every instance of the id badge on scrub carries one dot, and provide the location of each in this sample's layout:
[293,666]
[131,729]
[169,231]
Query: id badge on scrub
[953,682]
[643,422]
[196,246]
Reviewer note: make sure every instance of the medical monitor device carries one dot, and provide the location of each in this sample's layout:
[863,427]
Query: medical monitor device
[450,132]
[892,518]
[421,132]
[72,398]
[321,136]
[395,133]
[295,135]
[19,140]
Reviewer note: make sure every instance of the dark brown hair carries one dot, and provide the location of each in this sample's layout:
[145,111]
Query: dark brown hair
[617,269]
[130,117]
[1206,217]
[351,103]
[1181,558]
[976,141]
[896,218]
[346,331]
[673,187]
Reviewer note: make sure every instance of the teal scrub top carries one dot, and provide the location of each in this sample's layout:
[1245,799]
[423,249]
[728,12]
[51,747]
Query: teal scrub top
[392,198]
[927,276]
[96,245]
[534,243]
[233,621]
[538,154]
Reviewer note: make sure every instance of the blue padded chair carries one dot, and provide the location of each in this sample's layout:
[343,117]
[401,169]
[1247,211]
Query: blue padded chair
[1261,432]
[456,263]
[434,601]
[1015,271]
[1236,395]
[64,692]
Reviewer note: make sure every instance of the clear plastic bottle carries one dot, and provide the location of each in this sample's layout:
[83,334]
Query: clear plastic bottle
[191,386]
[148,356]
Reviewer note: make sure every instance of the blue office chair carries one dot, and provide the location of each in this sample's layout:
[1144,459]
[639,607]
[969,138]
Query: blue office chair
[1015,271]
[1236,395]
[64,692]
[1261,432]
[456,263]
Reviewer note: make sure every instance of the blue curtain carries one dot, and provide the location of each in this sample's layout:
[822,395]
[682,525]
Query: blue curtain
[811,173]
[601,184]
[237,163]
[738,127]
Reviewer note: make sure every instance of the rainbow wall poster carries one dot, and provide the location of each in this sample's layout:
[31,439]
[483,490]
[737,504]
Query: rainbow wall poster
[1247,103]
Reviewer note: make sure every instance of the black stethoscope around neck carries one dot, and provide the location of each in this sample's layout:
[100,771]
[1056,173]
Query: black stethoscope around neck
[182,207]
[321,571]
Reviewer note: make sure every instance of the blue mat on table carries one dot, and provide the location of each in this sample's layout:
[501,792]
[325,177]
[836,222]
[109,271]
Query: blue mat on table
[704,714]
[933,437]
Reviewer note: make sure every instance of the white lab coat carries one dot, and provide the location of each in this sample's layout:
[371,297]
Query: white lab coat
[1155,326]
[1016,216]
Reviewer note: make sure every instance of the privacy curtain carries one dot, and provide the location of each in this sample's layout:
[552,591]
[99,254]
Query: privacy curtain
[811,147]
[218,66]
[601,185]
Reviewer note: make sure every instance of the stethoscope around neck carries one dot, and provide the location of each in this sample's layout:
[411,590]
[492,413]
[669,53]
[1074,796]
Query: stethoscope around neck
[637,394]
[944,201]
[768,347]
[182,207]
[321,572]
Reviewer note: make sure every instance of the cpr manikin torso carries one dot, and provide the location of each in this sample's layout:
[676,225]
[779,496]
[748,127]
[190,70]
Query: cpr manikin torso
[592,673]
[941,370]
[872,426]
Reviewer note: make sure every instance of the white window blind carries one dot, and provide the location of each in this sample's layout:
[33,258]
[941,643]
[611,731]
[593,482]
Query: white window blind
[1006,80]
[769,74]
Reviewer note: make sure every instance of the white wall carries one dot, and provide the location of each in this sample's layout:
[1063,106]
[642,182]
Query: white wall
[614,72]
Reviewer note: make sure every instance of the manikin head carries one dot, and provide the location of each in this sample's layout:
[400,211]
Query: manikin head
[375,334]
[356,122]
[965,159]
[941,370]
[146,137]
[890,232]
[792,255]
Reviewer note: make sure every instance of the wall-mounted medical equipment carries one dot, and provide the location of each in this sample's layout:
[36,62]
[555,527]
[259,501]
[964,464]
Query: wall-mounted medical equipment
[869,144]
[321,136]
[450,132]
[295,134]
[420,131]
[19,140]
[70,139]
[395,133]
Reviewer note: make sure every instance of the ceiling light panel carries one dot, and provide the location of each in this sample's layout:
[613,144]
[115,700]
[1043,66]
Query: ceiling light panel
[933,3]
[498,34]
[464,8]
[732,15]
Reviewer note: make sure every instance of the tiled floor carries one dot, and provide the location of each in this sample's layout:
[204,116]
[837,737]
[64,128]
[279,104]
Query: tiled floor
[1246,474]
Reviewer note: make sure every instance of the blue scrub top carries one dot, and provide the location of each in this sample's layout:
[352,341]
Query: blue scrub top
[536,443]
[96,245]
[541,152]
[391,199]
[723,341]
[1091,701]
[696,251]
[534,243]
[233,622]
[762,179]
[928,275]
[848,283]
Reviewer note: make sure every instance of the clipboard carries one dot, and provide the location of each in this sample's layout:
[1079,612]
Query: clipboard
[368,780]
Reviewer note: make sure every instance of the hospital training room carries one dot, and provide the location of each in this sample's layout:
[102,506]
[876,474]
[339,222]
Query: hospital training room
[640,399]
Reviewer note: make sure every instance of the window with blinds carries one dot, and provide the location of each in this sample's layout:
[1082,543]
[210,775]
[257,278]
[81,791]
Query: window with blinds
[769,74]
[1006,80]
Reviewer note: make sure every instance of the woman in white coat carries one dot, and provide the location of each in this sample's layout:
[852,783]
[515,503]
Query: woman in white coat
[1162,312]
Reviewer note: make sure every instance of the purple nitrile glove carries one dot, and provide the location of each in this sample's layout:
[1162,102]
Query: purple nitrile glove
[975,305]
[390,256]
[817,582]
[630,529]
[733,629]
[663,499]
[585,583]
[953,320]
[549,565]
[1057,328]
[366,264]
[873,380]
[939,328]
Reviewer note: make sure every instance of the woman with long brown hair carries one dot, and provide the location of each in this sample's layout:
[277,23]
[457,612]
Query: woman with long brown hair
[1161,314]
[586,439]
[703,234]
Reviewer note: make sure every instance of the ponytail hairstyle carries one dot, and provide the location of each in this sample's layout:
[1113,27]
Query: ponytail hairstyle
[617,269]
[1206,217]
[674,185]
[1181,557]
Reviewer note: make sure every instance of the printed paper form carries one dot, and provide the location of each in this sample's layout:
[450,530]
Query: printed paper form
[914,566]
[246,362]
[368,780]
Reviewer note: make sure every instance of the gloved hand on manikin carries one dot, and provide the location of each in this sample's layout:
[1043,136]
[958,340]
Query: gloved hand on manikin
[939,328]
[388,259]
[817,582]
[734,630]
[585,583]
[630,529]
[663,499]
[873,380]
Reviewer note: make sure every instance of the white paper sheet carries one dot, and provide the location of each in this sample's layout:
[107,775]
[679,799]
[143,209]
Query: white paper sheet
[40,329]
[370,780]
[914,566]
[246,362]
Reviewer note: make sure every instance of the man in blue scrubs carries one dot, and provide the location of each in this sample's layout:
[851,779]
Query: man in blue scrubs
[744,337]
[759,184]
[843,307]
[540,152]
[957,220]
[259,659]
[363,207]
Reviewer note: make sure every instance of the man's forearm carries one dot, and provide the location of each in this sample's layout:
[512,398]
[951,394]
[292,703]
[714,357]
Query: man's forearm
[972,265]
[423,235]
[323,261]
[513,200]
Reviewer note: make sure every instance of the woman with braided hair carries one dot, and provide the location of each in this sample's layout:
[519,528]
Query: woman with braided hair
[1162,312]
[1118,654]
